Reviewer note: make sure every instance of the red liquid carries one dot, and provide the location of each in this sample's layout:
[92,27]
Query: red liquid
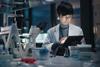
[28,60]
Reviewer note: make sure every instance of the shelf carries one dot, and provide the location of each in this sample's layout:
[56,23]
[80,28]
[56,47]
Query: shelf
[8,6]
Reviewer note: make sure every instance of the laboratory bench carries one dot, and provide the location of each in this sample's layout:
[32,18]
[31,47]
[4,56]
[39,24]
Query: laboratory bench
[78,58]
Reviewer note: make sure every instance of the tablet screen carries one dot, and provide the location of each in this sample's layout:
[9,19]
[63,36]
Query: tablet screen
[73,40]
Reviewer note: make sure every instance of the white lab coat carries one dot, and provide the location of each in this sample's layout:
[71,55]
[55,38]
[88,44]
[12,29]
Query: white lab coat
[53,34]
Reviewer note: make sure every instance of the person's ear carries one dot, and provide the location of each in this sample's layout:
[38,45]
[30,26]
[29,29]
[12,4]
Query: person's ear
[58,18]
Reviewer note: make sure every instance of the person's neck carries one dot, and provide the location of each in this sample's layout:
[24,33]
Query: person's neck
[64,26]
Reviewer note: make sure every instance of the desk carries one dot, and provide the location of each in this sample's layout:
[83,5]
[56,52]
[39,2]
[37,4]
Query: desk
[58,61]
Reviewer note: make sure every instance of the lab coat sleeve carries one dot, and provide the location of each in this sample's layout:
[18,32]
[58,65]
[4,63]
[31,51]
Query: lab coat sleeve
[48,43]
[81,32]
[83,40]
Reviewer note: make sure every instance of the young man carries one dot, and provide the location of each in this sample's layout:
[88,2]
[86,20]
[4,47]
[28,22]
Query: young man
[57,34]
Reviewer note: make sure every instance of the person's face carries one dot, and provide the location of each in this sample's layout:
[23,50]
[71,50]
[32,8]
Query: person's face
[65,19]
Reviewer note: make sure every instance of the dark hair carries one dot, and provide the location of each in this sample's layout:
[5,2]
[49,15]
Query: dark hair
[42,25]
[64,8]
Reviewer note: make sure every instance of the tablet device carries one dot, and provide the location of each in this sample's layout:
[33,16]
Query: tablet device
[73,40]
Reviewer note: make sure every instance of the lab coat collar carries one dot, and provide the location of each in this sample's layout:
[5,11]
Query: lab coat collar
[56,32]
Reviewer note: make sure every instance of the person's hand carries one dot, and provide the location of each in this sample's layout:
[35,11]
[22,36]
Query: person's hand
[62,40]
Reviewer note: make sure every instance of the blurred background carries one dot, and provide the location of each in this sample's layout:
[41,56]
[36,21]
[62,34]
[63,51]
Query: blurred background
[42,13]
